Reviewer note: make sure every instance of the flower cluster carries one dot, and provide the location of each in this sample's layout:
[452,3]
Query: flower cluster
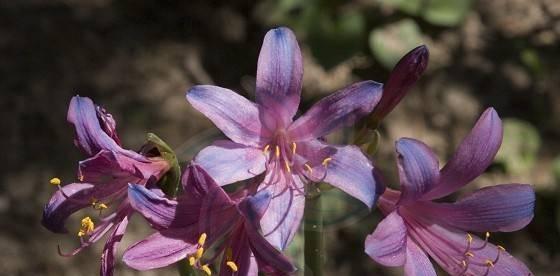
[280,159]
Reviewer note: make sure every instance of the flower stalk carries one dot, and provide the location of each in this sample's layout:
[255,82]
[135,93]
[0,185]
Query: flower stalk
[314,248]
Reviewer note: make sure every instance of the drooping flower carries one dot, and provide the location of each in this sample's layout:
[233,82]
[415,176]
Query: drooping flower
[264,137]
[203,217]
[415,226]
[102,181]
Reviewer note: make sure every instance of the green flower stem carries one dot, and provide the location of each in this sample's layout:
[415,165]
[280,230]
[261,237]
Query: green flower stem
[185,269]
[314,248]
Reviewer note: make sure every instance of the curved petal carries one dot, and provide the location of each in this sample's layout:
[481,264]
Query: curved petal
[448,247]
[110,249]
[161,249]
[387,244]
[285,211]
[418,169]
[503,208]
[234,115]
[405,74]
[70,199]
[417,263]
[473,156]
[240,255]
[279,76]
[343,107]
[161,212]
[90,134]
[252,208]
[352,172]
[269,259]
[228,162]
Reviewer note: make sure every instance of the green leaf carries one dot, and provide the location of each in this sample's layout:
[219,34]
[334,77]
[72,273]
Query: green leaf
[169,183]
[391,42]
[446,12]
[408,6]
[520,146]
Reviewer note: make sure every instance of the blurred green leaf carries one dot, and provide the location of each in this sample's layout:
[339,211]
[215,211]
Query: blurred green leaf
[519,147]
[407,6]
[446,12]
[169,183]
[391,42]
[531,59]
[556,169]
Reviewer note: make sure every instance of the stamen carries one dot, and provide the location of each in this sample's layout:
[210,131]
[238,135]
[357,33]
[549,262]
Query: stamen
[192,261]
[308,168]
[464,263]
[202,239]
[326,161]
[294,146]
[287,164]
[265,150]
[469,238]
[469,254]
[199,253]
[232,266]
[501,248]
[229,254]
[489,263]
[81,178]
[277,151]
[55,181]
[87,227]
[206,269]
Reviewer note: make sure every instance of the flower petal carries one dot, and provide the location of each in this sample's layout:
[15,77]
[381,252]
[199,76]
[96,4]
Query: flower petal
[387,244]
[279,76]
[418,169]
[343,107]
[285,211]
[417,263]
[270,260]
[503,208]
[473,156]
[405,74]
[161,212]
[110,249]
[78,196]
[240,254]
[352,172]
[161,249]
[229,162]
[234,115]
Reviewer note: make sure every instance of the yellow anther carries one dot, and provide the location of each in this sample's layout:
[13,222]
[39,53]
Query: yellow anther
[101,206]
[265,150]
[87,227]
[55,181]
[469,254]
[202,239]
[294,146]
[192,261]
[489,263]
[308,168]
[277,151]
[487,235]
[199,253]
[81,178]
[501,248]
[232,265]
[469,238]
[464,263]
[326,161]
[206,269]
[287,164]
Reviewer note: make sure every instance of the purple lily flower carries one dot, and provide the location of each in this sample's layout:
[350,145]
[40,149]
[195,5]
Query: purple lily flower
[415,226]
[103,179]
[264,137]
[199,219]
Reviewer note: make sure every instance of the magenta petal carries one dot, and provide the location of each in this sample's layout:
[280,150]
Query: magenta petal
[352,172]
[234,115]
[418,169]
[405,74]
[161,212]
[161,249]
[228,162]
[285,211]
[279,76]
[417,263]
[473,156]
[341,108]
[240,254]
[387,244]
[270,260]
[110,249]
[503,208]
[254,207]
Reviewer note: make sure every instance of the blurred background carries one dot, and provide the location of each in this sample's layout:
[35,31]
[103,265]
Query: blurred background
[137,58]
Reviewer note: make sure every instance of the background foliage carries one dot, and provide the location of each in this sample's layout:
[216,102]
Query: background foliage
[137,58]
